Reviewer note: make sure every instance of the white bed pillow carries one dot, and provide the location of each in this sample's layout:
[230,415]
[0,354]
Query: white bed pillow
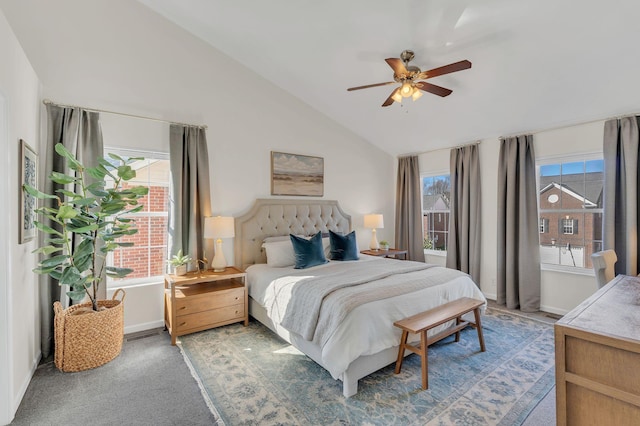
[280,253]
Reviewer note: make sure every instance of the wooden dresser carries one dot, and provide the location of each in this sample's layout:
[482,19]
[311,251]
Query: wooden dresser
[597,348]
[202,300]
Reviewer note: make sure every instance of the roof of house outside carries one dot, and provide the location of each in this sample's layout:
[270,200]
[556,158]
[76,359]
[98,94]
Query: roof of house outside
[588,185]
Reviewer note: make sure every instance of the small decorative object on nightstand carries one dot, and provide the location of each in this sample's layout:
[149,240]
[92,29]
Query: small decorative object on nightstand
[373,221]
[201,300]
[384,245]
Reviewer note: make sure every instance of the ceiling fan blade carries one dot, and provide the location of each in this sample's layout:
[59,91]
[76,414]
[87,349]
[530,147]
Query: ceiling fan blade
[397,65]
[389,100]
[432,88]
[456,66]
[370,85]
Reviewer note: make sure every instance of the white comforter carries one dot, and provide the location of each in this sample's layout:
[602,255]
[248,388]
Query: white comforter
[368,329]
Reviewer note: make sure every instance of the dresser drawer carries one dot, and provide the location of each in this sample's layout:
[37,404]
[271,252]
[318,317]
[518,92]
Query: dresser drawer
[208,301]
[206,319]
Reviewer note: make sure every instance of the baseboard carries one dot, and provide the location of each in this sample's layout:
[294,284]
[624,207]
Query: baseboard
[25,383]
[142,327]
[492,296]
[552,310]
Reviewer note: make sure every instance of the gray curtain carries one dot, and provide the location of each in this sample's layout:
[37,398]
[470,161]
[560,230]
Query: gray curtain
[409,233]
[518,275]
[80,132]
[621,184]
[190,191]
[463,248]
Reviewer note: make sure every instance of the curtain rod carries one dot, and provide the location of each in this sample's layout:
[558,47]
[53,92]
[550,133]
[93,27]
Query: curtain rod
[440,149]
[47,102]
[564,126]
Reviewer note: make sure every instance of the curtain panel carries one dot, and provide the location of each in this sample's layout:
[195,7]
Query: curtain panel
[409,233]
[190,191]
[518,273]
[621,148]
[463,248]
[80,132]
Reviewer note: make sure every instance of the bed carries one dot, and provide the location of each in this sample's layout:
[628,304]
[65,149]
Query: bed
[355,341]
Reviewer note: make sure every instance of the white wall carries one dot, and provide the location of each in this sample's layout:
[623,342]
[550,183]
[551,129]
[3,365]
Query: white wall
[169,74]
[19,319]
[560,291]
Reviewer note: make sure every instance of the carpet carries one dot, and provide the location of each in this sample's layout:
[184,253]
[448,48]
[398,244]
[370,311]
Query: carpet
[251,376]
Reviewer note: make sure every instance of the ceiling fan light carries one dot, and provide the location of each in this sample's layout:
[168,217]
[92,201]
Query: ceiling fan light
[406,89]
[397,96]
[416,94]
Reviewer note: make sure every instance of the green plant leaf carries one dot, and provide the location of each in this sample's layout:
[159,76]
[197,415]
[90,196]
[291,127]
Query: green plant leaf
[44,228]
[47,250]
[97,173]
[71,276]
[40,195]
[54,261]
[66,212]
[84,202]
[116,157]
[61,178]
[82,229]
[126,172]
[139,190]
[114,272]
[85,248]
[41,270]
[68,193]
[76,295]
[72,163]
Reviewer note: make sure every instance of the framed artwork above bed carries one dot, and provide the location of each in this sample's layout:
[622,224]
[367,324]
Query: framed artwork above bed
[294,174]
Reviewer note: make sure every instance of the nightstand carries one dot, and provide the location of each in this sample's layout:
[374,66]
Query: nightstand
[387,253]
[201,300]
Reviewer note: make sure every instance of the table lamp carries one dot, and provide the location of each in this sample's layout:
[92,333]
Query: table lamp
[219,227]
[373,221]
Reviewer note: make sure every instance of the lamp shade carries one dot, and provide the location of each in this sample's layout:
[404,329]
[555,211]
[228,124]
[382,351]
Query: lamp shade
[219,227]
[373,221]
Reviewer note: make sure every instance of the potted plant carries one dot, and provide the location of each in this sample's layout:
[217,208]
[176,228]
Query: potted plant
[179,262]
[89,219]
[384,245]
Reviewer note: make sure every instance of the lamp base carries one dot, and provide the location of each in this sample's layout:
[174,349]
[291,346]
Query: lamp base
[373,245]
[219,263]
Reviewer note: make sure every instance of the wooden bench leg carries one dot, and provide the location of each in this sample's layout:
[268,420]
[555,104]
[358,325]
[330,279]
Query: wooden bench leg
[458,321]
[403,342]
[476,314]
[425,361]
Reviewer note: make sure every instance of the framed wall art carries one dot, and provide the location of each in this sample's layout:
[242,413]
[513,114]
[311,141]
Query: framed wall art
[293,174]
[28,172]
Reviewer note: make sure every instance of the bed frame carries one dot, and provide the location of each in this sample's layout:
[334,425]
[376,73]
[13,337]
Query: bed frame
[277,217]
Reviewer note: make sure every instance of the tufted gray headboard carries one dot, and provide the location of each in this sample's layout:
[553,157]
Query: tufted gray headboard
[275,217]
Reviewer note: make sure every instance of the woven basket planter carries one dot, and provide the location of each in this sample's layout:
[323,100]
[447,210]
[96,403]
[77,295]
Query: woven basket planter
[88,340]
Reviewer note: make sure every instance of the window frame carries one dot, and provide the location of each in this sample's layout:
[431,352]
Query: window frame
[431,174]
[558,159]
[139,281]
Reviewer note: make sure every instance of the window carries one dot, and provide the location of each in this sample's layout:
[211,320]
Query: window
[436,193]
[570,210]
[544,225]
[147,257]
[567,226]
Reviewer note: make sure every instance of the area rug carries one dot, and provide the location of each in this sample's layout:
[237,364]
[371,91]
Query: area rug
[252,377]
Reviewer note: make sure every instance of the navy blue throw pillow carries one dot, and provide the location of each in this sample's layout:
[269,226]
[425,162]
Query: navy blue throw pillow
[343,247]
[308,252]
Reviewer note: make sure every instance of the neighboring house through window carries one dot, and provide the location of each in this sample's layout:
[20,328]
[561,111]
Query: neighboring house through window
[436,195]
[570,203]
[147,257]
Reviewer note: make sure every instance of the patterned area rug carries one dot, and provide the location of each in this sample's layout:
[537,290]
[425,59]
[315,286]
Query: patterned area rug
[252,377]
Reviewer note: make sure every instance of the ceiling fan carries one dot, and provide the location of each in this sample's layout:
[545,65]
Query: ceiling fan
[408,76]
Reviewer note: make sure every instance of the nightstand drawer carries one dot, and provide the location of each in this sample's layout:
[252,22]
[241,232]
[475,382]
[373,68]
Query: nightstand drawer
[208,301]
[208,318]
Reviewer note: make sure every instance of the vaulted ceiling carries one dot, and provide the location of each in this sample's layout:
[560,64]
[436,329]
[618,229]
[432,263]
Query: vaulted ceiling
[537,64]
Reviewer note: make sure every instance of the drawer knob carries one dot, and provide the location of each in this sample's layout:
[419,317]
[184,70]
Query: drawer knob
[184,323]
[183,308]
